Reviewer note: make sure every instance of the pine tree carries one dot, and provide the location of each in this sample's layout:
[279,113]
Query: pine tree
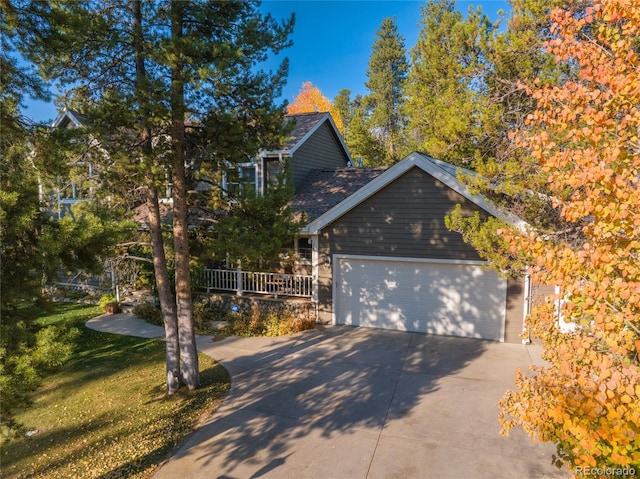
[449,112]
[360,139]
[257,228]
[386,75]
[158,81]
[33,247]
[358,133]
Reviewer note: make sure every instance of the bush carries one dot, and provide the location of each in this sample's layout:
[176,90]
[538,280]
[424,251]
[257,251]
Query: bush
[149,312]
[203,315]
[267,323]
[109,304]
[106,299]
[28,352]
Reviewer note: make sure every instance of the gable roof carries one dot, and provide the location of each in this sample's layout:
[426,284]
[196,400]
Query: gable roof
[321,190]
[444,172]
[67,118]
[306,125]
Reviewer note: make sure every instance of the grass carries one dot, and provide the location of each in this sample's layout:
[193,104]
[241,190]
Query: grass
[106,413]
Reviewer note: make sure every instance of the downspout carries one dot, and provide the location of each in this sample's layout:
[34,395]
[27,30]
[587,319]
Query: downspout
[526,309]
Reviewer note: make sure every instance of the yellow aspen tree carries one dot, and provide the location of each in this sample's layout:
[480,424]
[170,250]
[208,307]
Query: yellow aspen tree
[311,99]
[584,135]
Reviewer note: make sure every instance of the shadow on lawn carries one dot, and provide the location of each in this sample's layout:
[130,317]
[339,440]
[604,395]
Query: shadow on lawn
[339,380]
[99,392]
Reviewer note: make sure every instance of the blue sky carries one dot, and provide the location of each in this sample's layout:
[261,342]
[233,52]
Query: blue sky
[332,41]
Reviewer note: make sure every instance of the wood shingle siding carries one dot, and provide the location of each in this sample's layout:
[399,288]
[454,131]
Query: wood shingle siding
[404,219]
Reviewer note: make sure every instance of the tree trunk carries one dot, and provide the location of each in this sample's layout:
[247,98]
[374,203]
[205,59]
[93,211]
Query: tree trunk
[186,334]
[167,303]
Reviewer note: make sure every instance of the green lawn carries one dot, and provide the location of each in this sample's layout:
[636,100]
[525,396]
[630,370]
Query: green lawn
[105,413]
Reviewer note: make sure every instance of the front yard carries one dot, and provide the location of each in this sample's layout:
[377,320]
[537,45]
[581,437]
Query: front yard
[106,414]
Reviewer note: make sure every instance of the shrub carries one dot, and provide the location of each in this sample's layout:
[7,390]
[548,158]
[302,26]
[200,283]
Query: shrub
[106,299]
[28,352]
[149,312]
[203,315]
[275,322]
[109,304]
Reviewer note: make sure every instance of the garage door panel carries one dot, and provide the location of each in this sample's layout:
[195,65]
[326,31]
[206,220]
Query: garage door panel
[440,298]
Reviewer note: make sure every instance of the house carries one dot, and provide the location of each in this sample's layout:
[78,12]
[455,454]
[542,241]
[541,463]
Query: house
[314,143]
[379,252]
[82,180]
[382,256]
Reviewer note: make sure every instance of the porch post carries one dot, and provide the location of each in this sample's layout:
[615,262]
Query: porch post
[315,262]
[239,279]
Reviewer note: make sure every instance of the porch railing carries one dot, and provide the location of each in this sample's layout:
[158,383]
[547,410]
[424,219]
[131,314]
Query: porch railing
[276,284]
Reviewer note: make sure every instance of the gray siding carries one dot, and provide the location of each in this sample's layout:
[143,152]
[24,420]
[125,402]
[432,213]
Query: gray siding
[322,150]
[405,219]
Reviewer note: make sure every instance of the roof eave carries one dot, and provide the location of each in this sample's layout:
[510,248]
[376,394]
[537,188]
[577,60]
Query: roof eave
[428,165]
[68,114]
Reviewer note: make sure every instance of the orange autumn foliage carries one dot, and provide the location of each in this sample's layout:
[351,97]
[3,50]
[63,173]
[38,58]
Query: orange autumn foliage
[585,134]
[311,99]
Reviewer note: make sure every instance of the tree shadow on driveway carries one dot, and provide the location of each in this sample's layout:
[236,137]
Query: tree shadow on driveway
[316,404]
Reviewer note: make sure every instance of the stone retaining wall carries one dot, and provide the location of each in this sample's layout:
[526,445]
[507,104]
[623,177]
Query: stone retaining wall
[221,304]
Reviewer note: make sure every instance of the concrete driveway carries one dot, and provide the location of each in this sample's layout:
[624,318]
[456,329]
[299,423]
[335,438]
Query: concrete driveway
[361,403]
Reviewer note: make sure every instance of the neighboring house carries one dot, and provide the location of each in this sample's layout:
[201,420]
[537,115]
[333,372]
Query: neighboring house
[80,185]
[382,256]
[314,143]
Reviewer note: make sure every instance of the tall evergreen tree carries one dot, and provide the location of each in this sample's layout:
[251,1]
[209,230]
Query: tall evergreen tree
[342,109]
[358,133]
[256,229]
[516,55]
[387,73]
[360,138]
[146,72]
[449,113]
[33,247]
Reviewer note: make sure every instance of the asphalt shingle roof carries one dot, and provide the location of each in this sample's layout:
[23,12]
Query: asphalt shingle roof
[324,189]
[305,122]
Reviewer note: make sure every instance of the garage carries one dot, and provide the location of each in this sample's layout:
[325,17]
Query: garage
[439,296]
[383,257]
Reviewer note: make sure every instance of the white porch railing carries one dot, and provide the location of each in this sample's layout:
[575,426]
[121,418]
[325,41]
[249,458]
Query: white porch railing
[276,284]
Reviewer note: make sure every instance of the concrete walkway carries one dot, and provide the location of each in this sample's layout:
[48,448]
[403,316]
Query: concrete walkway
[356,403]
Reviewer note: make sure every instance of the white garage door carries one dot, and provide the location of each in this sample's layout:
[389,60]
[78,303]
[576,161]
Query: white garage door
[431,296]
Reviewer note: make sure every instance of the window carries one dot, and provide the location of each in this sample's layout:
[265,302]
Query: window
[79,186]
[273,168]
[241,183]
[303,249]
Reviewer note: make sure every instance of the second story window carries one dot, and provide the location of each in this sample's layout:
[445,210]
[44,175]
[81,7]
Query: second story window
[241,181]
[79,186]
